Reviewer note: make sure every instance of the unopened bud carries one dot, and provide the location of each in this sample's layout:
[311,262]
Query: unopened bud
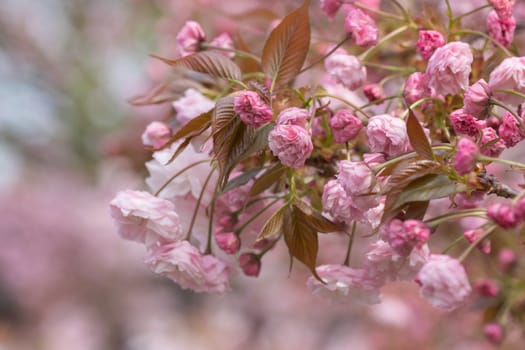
[250,264]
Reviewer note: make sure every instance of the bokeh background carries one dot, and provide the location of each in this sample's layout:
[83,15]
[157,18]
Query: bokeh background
[69,140]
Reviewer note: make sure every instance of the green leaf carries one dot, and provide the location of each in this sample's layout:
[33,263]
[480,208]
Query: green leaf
[285,50]
[271,176]
[241,179]
[426,188]
[273,225]
[417,137]
[207,62]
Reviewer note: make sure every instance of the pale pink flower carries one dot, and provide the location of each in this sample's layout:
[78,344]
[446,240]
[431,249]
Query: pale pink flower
[449,68]
[346,69]
[345,284]
[373,92]
[144,218]
[384,261]
[416,87]
[388,135]
[191,105]
[476,99]
[428,41]
[494,332]
[345,126]
[404,236]
[156,134]
[510,131]
[189,38]
[293,116]
[228,242]
[465,124]
[493,148]
[291,144]
[355,177]
[473,235]
[335,202]
[330,7]
[509,75]
[503,215]
[501,29]
[372,217]
[487,288]
[250,264]
[465,157]
[361,27]
[373,159]
[443,281]
[252,109]
[183,264]
[503,7]
[507,260]
[224,41]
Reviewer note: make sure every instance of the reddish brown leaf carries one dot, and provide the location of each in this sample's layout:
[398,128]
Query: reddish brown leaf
[314,219]
[207,62]
[417,137]
[273,225]
[402,176]
[426,188]
[164,92]
[193,128]
[271,176]
[285,50]
[246,64]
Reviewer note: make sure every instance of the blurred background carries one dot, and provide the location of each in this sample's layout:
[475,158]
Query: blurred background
[69,140]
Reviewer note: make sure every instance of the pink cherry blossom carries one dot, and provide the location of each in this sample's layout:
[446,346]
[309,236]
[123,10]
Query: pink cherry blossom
[476,99]
[428,41]
[465,124]
[503,7]
[144,218]
[345,284]
[250,264]
[486,288]
[507,260]
[292,144]
[228,242]
[373,159]
[330,7]
[494,332]
[465,157]
[336,202]
[503,215]
[224,41]
[345,126]
[361,27]
[374,92]
[189,38]
[509,75]
[252,109]
[346,69]
[501,29]
[191,105]
[355,177]
[443,281]
[183,264]
[416,87]
[156,135]
[387,134]
[449,68]
[404,236]
[473,235]
[510,131]
[293,116]
[489,146]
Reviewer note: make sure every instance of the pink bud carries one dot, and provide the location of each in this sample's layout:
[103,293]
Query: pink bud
[330,7]
[510,131]
[345,126]
[224,40]
[228,242]
[374,92]
[156,135]
[493,332]
[251,108]
[502,214]
[507,260]
[501,29]
[493,122]
[250,264]
[473,235]
[503,7]
[428,42]
[465,158]
[361,27]
[190,37]
[486,288]
[477,97]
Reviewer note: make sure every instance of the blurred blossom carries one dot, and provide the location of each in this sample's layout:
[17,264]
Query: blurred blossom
[191,105]
[361,27]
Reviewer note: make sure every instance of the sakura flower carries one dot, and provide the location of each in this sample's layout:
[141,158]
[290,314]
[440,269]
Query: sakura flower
[465,124]
[355,177]
[487,288]
[428,41]
[374,92]
[336,202]
[183,264]
[191,105]
[465,157]
[449,68]
[491,145]
[473,235]
[476,101]
[503,7]
[293,116]
[509,75]
[345,126]
[228,242]
[494,332]
[144,218]
[346,69]
[510,131]
[252,109]
[361,27]
[291,144]
[189,38]
[443,281]
[330,7]
[404,236]
[224,41]
[501,29]
[416,87]
[156,135]
[387,134]
[344,284]
[250,264]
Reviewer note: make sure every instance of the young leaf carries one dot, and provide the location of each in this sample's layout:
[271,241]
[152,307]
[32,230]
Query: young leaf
[267,179]
[402,176]
[314,219]
[169,90]
[246,64]
[259,142]
[285,50]
[426,188]
[273,225]
[241,179]
[193,128]
[417,137]
[207,62]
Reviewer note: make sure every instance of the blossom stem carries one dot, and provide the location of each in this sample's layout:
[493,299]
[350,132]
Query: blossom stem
[255,216]
[381,100]
[512,92]
[475,32]
[453,244]
[179,173]
[238,53]
[350,243]
[377,12]
[502,161]
[472,12]
[389,68]
[321,59]
[197,206]
[383,40]
[417,103]
[405,13]
[476,242]
[502,105]
[436,221]
[356,108]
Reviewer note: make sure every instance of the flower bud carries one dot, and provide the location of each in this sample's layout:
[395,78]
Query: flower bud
[487,288]
[250,264]
[228,242]
[374,92]
[493,332]
[491,145]
[465,158]
[476,102]
[473,235]
[510,131]
[503,7]
[361,27]
[330,7]
[190,37]
[156,135]
[502,214]
[507,260]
